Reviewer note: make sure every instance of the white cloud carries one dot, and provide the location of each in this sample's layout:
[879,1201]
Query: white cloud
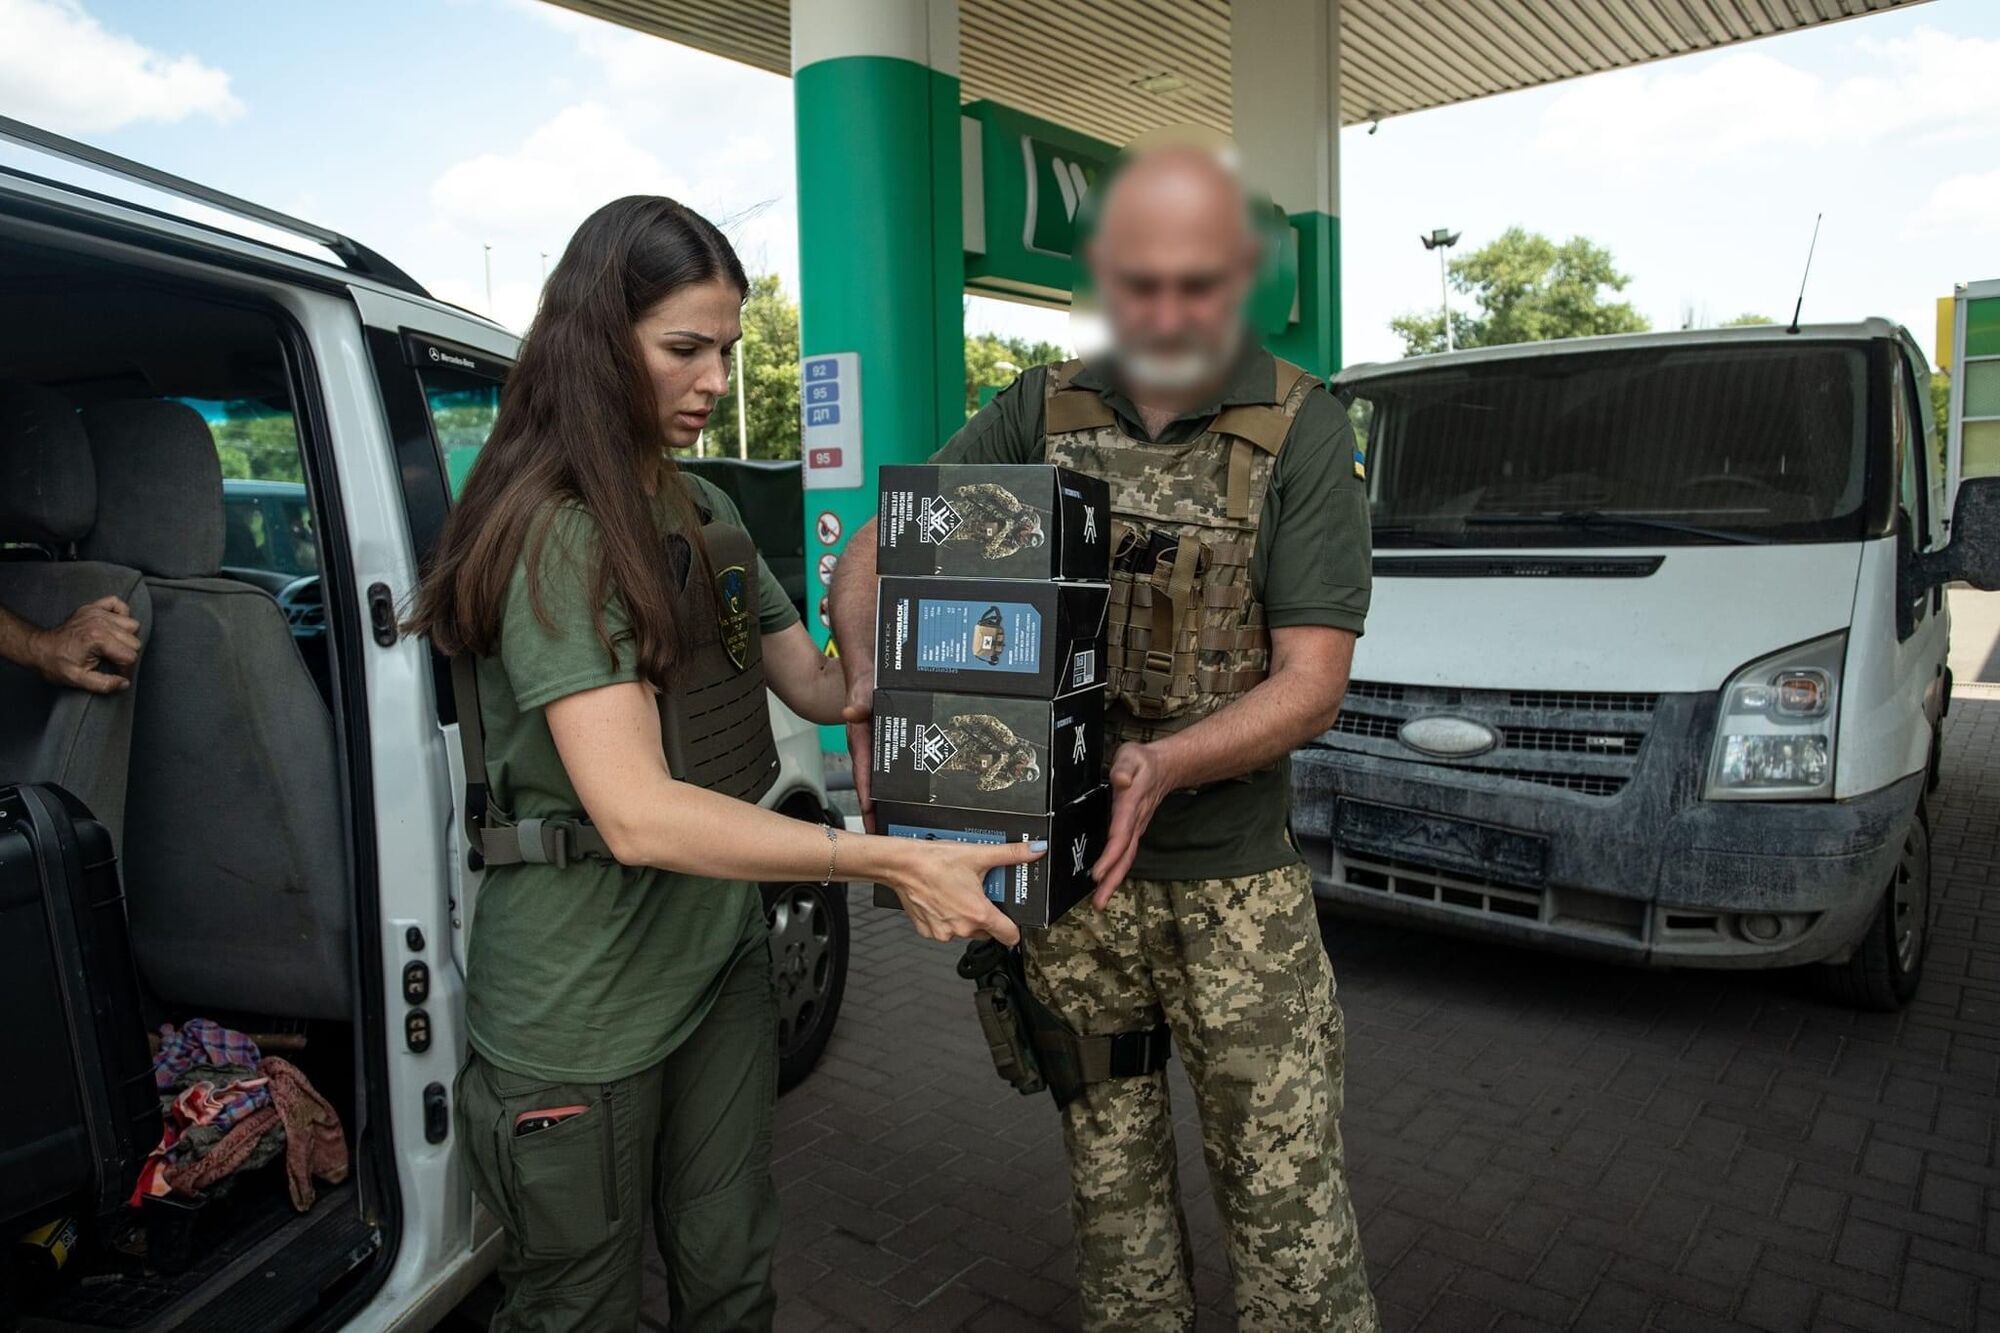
[568,166]
[1931,84]
[63,70]
[1968,202]
[658,119]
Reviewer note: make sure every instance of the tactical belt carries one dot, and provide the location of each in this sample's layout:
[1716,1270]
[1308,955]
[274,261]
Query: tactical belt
[1033,1048]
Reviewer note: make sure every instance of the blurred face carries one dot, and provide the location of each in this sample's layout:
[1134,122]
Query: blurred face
[688,342]
[1173,261]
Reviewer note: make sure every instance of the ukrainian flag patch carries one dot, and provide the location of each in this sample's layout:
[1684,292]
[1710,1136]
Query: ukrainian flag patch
[1360,465]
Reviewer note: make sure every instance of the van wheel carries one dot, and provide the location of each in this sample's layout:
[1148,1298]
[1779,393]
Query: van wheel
[1889,961]
[808,970]
[1935,774]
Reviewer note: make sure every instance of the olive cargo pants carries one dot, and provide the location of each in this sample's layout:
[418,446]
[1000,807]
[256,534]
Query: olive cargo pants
[691,1137]
[1237,968]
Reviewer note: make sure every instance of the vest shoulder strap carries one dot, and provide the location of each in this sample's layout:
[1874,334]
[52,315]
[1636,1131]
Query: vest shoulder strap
[1267,424]
[1066,408]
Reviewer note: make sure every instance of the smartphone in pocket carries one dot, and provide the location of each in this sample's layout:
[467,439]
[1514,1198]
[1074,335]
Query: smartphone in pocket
[534,1122]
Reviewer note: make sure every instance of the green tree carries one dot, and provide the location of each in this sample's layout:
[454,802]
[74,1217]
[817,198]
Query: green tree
[253,442]
[992,362]
[1524,287]
[768,361]
[1747,319]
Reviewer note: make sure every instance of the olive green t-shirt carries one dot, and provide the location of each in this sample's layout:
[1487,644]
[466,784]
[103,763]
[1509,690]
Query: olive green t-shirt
[594,971]
[1310,566]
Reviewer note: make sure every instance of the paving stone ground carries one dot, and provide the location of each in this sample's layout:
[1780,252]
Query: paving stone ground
[1533,1142]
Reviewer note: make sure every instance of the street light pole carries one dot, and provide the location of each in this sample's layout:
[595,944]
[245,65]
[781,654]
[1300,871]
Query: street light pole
[1442,240]
[489,281]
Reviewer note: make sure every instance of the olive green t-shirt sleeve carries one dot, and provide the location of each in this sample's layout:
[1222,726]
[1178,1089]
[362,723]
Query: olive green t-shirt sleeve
[1006,430]
[1312,562]
[552,660]
[775,611]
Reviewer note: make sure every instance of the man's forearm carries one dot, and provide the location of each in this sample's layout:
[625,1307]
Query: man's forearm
[17,640]
[1297,702]
[851,610]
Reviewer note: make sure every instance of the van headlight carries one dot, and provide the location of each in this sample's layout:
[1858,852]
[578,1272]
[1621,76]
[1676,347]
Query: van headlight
[1775,726]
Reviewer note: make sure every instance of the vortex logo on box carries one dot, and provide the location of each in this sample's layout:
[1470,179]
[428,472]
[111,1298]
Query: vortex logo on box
[931,749]
[936,521]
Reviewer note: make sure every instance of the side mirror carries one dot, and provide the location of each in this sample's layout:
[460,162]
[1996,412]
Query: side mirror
[1973,553]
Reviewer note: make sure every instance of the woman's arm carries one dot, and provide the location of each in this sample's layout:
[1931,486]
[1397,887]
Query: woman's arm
[809,682]
[609,740]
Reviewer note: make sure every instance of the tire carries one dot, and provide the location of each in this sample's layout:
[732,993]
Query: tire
[1889,961]
[808,970]
[1935,773]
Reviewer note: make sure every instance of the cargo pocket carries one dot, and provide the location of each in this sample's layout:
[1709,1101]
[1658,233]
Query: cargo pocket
[563,1180]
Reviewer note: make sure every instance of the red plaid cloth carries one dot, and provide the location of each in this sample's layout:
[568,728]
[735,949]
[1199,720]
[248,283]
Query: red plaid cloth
[202,1042]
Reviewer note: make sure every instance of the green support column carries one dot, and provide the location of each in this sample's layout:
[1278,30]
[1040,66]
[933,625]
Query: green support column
[1285,102]
[881,262]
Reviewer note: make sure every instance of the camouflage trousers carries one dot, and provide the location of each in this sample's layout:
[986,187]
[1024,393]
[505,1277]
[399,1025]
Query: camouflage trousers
[1237,968]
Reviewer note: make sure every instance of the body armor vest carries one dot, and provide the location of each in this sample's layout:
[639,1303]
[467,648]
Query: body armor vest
[1186,635]
[715,721]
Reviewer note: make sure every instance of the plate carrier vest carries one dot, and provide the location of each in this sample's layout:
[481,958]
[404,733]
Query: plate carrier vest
[715,721]
[1186,635]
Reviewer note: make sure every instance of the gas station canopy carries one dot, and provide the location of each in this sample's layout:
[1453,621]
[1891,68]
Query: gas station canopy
[1116,68]
[947,146]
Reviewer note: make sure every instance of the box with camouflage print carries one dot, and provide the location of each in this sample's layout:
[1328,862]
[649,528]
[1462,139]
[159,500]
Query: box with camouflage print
[1003,521]
[1034,894]
[981,753]
[1009,637]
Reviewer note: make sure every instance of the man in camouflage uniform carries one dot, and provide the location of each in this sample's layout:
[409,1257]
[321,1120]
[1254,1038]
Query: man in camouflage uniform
[1241,586]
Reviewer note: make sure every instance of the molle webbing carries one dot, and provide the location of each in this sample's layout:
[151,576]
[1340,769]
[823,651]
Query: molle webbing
[715,724]
[1186,634]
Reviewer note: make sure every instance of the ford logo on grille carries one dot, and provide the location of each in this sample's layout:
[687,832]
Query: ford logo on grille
[1448,737]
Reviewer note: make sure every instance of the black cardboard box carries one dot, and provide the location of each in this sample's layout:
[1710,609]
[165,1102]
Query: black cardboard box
[990,636]
[993,520]
[1034,894]
[978,752]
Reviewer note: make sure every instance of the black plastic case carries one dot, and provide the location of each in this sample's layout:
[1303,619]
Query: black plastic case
[80,1113]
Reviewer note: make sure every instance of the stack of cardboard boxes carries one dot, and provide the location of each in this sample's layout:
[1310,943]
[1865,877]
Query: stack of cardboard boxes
[989,669]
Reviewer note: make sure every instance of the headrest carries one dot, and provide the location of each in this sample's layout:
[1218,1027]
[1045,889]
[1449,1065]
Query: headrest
[159,489]
[48,492]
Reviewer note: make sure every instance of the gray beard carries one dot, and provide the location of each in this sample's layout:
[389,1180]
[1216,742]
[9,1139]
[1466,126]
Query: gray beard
[1178,373]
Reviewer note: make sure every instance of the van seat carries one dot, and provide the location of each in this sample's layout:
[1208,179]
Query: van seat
[48,500]
[236,871]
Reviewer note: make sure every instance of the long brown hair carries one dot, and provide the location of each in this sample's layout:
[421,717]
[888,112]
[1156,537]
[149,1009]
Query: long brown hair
[578,424]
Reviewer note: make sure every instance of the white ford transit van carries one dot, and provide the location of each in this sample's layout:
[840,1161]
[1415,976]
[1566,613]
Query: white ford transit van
[1656,665]
[265,829]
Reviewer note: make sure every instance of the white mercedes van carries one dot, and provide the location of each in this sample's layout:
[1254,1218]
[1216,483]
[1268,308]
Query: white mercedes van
[265,829]
[1655,670]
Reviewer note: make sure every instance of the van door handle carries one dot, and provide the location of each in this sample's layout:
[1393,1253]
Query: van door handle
[382,614]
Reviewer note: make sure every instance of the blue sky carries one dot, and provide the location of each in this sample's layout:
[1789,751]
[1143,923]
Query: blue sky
[431,128]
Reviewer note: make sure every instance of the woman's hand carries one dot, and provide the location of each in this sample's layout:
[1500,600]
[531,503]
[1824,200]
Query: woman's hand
[942,886]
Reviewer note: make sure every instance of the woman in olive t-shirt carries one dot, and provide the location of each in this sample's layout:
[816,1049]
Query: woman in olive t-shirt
[623,1035]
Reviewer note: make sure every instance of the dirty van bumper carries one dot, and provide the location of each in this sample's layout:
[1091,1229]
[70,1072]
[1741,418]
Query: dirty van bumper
[1653,875]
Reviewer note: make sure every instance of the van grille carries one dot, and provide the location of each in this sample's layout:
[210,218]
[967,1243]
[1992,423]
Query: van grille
[1587,743]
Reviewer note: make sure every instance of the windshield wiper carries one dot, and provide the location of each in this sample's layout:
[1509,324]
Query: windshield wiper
[1598,518]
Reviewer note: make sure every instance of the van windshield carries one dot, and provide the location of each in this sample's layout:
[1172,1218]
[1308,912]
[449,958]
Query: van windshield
[1645,446]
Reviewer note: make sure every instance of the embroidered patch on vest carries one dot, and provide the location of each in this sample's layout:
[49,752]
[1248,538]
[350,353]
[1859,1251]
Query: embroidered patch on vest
[732,613]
